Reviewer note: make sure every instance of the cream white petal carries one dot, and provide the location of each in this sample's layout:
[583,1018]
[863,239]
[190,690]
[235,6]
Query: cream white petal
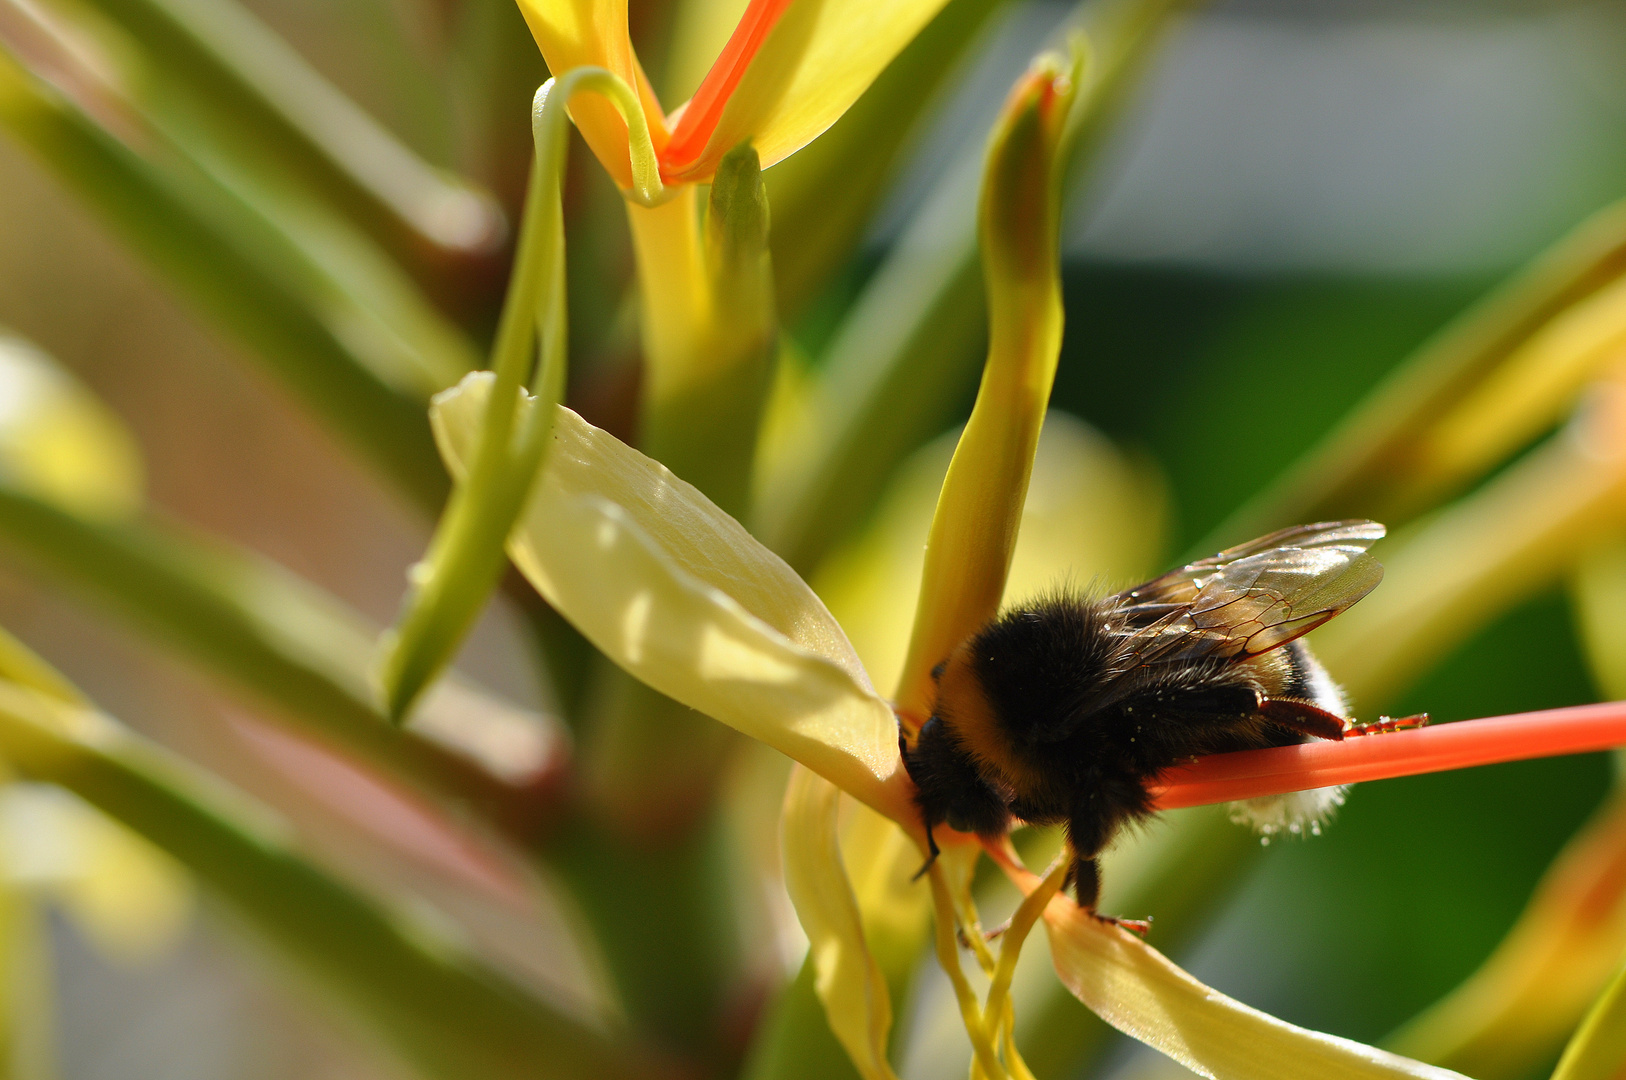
[1140,992]
[846,977]
[681,596]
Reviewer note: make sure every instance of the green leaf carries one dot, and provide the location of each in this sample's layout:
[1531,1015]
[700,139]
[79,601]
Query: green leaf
[191,122]
[451,1015]
[242,271]
[1369,464]
[218,61]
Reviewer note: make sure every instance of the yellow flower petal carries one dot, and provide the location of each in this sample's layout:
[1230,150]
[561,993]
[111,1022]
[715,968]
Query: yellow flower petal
[847,978]
[1140,992]
[682,597]
[818,58]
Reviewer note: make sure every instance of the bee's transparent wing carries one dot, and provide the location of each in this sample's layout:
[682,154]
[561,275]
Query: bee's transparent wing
[1251,598]
[1242,602]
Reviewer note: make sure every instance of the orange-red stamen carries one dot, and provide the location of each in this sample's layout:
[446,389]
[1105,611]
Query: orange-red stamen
[701,114]
[1250,774]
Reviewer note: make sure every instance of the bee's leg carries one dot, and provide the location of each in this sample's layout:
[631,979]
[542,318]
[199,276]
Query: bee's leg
[1303,718]
[1086,875]
[1086,882]
[931,846]
[1089,828]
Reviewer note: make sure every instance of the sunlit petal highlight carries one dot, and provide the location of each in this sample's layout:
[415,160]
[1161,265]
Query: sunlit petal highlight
[682,597]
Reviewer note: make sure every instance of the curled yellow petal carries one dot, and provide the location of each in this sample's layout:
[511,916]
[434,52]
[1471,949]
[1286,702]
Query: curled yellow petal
[1143,994]
[847,978]
[974,531]
[680,595]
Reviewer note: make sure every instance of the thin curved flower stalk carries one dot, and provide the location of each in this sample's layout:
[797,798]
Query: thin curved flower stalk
[465,556]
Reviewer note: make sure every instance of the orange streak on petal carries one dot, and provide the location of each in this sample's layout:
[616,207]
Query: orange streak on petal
[696,120]
[1249,774]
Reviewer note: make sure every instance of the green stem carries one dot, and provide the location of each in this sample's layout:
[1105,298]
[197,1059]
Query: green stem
[467,552]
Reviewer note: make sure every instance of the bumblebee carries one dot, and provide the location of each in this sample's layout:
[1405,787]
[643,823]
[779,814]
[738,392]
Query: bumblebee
[1063,710]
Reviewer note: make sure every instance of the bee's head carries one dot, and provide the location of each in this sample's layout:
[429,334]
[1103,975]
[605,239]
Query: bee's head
[950,786]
